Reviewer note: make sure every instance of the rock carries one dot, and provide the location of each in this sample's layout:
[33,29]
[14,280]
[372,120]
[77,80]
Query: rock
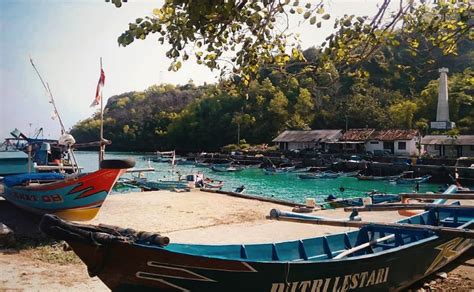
[442,275]
[7,237]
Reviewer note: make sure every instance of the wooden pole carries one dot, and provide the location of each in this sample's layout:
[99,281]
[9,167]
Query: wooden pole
[394,207]
[465,196]
[102,146]
[449,231]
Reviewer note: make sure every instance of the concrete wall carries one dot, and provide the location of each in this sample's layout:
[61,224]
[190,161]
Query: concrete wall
[371,146]
[409,150]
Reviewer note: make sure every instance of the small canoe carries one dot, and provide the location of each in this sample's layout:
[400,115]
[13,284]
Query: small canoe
[373,177]
[415,180]
[319,175]
[226,168]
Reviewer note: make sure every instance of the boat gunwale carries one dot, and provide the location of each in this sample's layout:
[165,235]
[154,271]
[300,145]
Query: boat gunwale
[364,256]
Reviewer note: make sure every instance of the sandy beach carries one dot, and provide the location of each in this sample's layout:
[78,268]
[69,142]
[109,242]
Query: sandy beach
[189,217]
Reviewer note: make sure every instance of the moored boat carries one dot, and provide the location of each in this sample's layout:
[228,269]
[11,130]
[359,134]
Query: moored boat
[360,201]
[73,197]
[415,180]
[374,177]
[319,175]
[376,257]
[231,168]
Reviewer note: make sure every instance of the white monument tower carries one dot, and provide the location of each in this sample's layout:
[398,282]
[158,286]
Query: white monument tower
[442,114]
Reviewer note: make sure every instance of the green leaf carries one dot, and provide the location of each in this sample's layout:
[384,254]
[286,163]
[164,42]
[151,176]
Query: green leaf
[307,14]
[326,16]
[312,20]
[308,5]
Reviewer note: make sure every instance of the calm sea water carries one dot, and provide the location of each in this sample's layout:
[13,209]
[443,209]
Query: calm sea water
[282,186]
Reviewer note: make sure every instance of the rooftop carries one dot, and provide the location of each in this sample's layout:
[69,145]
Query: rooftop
[357,134]
[309,136]
[447,140]
[394,134]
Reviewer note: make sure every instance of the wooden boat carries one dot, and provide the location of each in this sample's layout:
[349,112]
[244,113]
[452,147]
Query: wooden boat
[415,180]
[230,168]
[376,257]
[452,189]
[75,197]
[374,177]
[279,170]
[360,201]
[319,175]
[153,185]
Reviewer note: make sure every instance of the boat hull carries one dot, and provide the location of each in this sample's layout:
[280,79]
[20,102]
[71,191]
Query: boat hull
[76,198]
[147,270]
[304,265]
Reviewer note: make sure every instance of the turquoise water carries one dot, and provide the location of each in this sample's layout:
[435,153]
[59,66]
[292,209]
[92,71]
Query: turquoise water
[282,186]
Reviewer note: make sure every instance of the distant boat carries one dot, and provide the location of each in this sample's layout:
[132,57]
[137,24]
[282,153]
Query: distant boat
[74,197]
[373,177]
[374,257]
[415,180]
[319,175]
[279,170]
[232,168]
[360,201]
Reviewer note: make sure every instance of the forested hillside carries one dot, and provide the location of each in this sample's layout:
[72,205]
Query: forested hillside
[395,88]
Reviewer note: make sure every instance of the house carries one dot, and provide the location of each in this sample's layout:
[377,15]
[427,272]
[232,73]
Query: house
[393,141]
[313,139]
[353,140]
[447,146]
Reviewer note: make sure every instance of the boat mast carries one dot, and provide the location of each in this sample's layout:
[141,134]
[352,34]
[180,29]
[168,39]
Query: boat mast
[56,113]
[102,142]
[51,98]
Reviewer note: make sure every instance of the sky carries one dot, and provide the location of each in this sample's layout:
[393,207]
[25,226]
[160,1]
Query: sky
[67,38]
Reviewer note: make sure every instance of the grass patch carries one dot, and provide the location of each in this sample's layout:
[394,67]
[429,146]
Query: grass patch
[47,250]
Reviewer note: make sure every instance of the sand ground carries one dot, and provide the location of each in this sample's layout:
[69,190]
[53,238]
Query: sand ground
[192,217]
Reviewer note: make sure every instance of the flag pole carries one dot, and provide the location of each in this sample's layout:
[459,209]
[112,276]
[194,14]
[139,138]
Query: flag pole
[102,144]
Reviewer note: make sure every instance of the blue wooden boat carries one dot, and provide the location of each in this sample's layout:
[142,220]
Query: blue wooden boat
[45,155]
[319,175]
[279,170]
[376,257]
[415,180]
[360,201]
[161,184]
[226,168]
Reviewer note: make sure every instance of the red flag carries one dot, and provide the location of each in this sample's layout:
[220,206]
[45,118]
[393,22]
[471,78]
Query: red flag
[98,91]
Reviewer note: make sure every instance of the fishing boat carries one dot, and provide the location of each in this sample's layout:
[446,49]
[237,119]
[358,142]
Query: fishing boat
[21,154]
[376,257]
[279,170]
[74,197]
[320,175]
[359,201]
[415,180]
[231,168]
[154,185]
[374,177]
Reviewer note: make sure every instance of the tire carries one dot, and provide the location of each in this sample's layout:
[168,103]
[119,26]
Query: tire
[117,163]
